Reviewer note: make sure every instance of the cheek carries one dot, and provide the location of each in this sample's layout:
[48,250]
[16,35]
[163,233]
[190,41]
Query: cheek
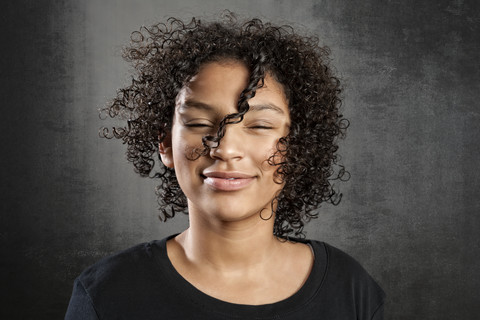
[266,158]
[272,161]
[186,146]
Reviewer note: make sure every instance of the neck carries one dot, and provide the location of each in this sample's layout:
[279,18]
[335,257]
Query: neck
[227,246]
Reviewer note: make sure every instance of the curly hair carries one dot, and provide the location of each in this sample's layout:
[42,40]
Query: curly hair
[167,55]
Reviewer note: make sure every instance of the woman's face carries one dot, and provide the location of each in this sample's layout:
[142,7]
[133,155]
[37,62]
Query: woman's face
[234,181]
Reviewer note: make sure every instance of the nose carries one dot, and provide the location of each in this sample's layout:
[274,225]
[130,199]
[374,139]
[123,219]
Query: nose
[231,145]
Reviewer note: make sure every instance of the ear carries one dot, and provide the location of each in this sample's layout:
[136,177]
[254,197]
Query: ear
[165,150]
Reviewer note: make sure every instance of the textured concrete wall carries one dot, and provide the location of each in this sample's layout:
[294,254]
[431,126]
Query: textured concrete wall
[410,213]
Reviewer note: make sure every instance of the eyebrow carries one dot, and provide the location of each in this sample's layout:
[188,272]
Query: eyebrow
[193,104]
[254,108]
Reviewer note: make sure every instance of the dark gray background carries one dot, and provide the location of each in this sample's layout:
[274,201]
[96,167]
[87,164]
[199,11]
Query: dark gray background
[410,212]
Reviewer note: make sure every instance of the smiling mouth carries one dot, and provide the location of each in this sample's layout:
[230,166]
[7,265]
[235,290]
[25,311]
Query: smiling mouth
[227,181]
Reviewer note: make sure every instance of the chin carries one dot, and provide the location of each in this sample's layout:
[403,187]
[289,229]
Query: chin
[231,213]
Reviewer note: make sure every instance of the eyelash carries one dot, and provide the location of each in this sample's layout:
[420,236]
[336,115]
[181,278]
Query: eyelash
[197,125]
[260,127]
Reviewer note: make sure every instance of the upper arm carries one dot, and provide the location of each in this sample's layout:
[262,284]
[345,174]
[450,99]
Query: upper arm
[81,305]
[378,314]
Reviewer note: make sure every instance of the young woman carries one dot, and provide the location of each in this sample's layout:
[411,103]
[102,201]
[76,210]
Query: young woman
[245,118]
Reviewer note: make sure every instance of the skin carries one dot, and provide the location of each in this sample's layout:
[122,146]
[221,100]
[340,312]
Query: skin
[229,252]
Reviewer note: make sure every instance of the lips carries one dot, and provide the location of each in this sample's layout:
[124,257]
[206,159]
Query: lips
[227,181]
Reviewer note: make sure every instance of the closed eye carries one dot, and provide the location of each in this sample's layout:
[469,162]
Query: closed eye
[197,125]
[260,127]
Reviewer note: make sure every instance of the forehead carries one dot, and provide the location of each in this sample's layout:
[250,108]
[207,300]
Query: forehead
[219,85]
[229,75]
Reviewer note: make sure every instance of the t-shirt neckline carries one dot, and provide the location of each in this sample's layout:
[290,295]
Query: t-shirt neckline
[310,288]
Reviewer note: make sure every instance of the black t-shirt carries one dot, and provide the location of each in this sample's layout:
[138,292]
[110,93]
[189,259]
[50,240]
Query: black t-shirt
[141,283]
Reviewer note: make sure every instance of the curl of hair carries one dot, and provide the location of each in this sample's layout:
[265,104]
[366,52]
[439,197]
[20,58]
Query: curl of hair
[167,55]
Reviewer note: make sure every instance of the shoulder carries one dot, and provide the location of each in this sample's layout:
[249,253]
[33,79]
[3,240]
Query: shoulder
[125,285]
[338,260]
[343,262]
[345,277]
[119,262]
[343,267]
[123,271]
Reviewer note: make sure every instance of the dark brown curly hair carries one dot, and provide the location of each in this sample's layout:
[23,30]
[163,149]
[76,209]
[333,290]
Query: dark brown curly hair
[167,55]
